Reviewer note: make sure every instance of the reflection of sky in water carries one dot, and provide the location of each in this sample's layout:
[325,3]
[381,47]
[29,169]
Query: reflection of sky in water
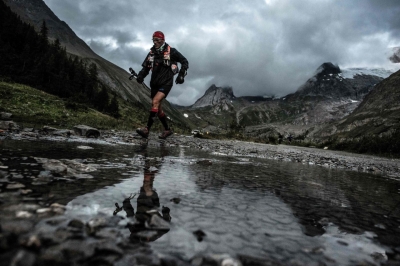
[238,215]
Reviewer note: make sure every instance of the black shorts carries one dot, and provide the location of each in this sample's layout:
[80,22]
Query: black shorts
[163,89]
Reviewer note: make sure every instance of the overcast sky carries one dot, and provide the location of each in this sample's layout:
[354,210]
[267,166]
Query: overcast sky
[258,47]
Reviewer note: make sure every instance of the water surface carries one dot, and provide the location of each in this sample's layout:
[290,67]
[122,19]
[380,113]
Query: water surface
[243,205]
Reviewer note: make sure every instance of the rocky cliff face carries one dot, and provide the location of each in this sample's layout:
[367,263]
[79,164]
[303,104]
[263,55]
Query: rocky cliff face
[216,96]
[378,114]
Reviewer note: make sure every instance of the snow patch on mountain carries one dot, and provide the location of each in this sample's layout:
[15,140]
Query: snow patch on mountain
[349,73]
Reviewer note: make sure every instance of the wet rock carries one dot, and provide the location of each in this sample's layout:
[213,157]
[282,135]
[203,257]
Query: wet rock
[17,226]
[85,147]
[53,256]
[54,208]
[83,176]
[157,223]
[50,236]
[126,260]
[378,257]
[203,261]
[49,130]
[43,210]
[52,165]
[380,226]
[78,166]
[63,133]
[8,125]
[323,221]
[108,247]
[175,200]
[148,258]
[166,213]
[75,223]
[215,259]
[77,250]
[89,132]
[44,177]
[343,243]
[55,221]
[16,176]
[30,134]
[199,235]
[22,207]
[32,242]
[204,162]
[23,214]
[5,116]
[266,261]
[15,186]
[95,224]
[25,191]
[311,230]
[108,233]
[168,260]
[23,258]
[103,259]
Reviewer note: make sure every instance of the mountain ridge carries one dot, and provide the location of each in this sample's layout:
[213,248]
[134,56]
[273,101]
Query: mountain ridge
[325,97]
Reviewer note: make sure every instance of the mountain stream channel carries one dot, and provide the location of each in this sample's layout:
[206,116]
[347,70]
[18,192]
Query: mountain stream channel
[119,200]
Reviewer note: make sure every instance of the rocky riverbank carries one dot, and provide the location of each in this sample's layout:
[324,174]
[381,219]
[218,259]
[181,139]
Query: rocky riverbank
[34,231]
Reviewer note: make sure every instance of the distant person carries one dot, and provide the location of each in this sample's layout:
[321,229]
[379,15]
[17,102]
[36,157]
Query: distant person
[163,61]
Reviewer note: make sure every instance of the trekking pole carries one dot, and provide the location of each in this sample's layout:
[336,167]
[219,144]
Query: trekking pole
[133,74]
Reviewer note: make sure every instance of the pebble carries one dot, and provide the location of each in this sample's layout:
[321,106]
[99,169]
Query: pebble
[15,186]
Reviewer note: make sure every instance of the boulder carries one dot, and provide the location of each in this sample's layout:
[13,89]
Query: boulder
[48,129]
[89,132]
[5,116]
[8,125]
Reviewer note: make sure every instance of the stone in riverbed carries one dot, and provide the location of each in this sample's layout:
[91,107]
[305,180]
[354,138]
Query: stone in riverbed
[8,125]
[17,226]
[15,186]
[24,258]
[5,116]
[89,132]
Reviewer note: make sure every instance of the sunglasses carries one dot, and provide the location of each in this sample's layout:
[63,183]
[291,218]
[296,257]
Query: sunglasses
[157,40]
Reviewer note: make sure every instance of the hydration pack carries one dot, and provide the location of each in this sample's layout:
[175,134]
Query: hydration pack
[166,60]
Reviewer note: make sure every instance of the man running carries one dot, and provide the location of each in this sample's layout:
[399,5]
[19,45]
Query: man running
[163,61]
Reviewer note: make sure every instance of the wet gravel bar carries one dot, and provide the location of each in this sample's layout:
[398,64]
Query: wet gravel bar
[36,193]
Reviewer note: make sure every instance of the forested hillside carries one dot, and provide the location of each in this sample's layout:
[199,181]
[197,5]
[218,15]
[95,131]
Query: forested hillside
[29,58]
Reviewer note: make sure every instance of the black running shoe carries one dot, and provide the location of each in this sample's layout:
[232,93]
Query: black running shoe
[144,132]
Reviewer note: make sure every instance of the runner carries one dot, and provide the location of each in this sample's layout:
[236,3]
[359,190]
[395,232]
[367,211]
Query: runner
[163,61]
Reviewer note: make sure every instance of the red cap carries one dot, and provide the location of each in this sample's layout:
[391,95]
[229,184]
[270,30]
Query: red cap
[158,34]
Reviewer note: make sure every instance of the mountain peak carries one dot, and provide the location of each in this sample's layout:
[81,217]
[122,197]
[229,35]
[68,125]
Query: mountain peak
[225,90]
[326,69]
[215,95]
[329,82]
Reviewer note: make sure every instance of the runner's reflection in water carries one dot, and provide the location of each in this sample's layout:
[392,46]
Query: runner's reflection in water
[149,224]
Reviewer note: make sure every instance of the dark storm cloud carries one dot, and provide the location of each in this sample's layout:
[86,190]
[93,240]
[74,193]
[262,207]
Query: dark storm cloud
[257,47]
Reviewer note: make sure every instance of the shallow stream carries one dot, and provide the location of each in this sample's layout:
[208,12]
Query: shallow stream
[230,205]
